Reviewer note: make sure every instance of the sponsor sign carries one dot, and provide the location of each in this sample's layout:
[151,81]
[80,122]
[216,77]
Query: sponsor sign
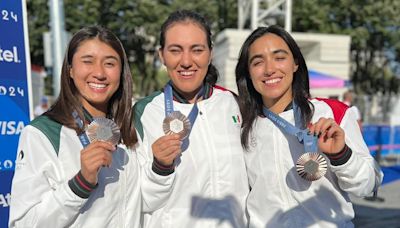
[15,104]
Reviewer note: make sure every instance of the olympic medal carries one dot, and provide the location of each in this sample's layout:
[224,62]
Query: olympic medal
[311,166]
[177,123]
[103,129]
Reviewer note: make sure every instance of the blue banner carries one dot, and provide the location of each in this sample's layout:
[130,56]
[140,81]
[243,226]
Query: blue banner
[14,93]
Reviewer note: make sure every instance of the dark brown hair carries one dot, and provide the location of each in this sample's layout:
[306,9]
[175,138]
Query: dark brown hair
[250,101]
[120,104]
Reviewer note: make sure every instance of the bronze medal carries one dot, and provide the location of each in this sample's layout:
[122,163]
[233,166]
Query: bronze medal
[103,129]
[311,166]
[177,123]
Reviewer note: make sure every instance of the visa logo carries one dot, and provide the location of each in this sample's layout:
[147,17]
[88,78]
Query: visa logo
[9,55]
[11,127]
[5,200]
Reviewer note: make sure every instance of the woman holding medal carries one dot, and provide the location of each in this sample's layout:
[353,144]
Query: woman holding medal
[304,156]
[192,129]
[74,165]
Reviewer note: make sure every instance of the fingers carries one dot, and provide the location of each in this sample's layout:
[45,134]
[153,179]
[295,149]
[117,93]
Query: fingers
[167,148]
[331,135]
[93,157]
[324,127]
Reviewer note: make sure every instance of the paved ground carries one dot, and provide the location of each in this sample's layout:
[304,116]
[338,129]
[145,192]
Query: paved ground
[383,212]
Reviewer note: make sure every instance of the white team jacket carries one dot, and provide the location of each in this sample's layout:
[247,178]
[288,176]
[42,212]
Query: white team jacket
[279,197]
[211,184]
[40,193]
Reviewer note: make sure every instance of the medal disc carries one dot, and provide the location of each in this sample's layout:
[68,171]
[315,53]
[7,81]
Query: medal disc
[103,129]
[311,166]
[177,123]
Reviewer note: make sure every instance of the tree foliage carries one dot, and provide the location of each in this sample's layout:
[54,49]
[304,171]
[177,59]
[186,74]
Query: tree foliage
[38,23]
[137,24]
[374,27]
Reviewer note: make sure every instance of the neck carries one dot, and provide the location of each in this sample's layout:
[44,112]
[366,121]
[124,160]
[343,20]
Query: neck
[189,96]
[278,105]
[95,111]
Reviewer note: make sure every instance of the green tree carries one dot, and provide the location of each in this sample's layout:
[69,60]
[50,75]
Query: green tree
[38,23]
[374,30]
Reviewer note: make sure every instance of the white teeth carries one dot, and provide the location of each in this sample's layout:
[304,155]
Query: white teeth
[97,86]
[186,73]
[275,80]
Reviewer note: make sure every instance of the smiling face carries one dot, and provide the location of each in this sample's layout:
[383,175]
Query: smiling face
[96,72]
[186,56]
[271,68]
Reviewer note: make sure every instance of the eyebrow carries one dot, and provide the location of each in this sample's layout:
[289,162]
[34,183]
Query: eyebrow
[107,57]
[255,57]
[192,46]
[280,51]
[274,52]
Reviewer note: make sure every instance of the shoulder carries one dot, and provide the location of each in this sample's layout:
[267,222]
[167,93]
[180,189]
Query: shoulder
[141,104]
[222,91]
[139,110]
[50,128]
[45,124]
[337,108]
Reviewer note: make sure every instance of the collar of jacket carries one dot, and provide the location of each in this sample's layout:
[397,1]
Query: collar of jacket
[179,98]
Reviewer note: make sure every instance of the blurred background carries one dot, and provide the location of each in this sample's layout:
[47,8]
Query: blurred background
[349,46]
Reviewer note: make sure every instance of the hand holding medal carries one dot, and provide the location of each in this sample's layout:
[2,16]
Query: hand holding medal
[311,165]
[166,148]
[99,139]
[176,127]
[330,135]
[103,135]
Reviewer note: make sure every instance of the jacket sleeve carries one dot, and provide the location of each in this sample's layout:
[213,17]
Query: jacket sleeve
[361,174]
[155,188]
[41,196]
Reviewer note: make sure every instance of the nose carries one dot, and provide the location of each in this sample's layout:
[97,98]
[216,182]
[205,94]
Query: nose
[186,60]
[98,71]
[269,69]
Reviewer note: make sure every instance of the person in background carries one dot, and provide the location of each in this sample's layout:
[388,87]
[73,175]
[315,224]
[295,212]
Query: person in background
[304,156]
[42,107]
[63,179]
[210,185]
[348,100]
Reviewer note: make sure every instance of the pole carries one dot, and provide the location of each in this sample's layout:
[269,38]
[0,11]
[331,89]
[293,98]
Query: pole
[288,16]
[57,29]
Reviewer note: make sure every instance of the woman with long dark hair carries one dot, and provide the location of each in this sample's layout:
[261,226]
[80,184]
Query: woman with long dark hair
[304,156]
[75,166]
[191,130]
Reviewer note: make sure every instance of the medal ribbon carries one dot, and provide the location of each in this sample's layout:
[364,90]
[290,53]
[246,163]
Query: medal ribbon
[303,136]
[169,105]
[82,137]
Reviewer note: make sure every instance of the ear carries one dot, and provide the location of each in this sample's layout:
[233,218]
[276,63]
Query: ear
[160,55]
[211,57]
[70,71]
[295,67]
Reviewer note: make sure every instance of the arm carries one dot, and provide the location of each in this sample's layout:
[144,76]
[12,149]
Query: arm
[350,159]
[40,193]
[156,185]
[360,175]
